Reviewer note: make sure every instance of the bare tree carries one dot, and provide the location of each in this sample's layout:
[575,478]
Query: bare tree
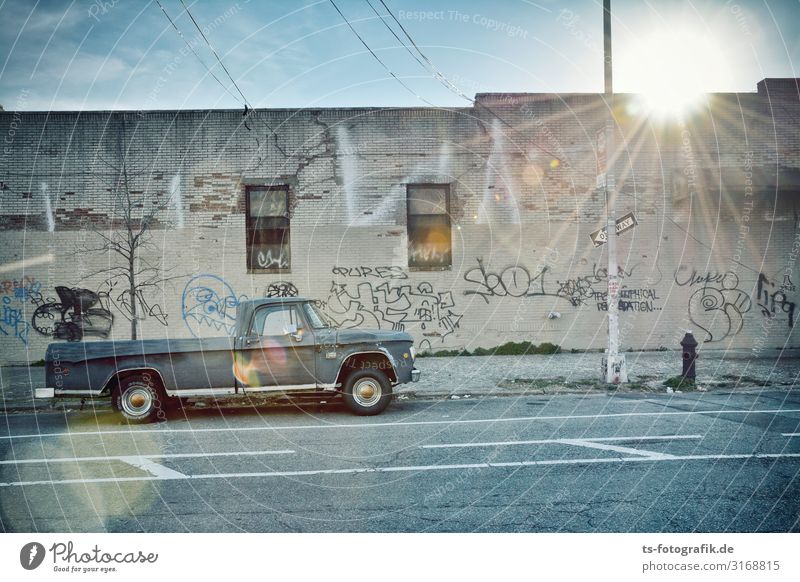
[132,273]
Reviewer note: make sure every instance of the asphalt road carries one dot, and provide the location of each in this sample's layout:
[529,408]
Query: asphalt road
[630,462]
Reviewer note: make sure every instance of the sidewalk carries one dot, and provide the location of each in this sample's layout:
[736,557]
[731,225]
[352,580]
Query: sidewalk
[481,376]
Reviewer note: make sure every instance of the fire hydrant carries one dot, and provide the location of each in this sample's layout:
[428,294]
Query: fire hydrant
[689,345]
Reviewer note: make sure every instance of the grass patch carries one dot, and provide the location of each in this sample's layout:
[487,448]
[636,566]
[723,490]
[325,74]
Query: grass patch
[506,349]
[537,382]
[746,380]
[680,383]
[37,363]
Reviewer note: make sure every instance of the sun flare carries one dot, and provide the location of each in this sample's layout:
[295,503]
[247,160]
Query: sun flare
[672,70]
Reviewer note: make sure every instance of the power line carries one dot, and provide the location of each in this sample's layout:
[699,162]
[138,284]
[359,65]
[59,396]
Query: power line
[436,72]
[377,58]
[219,60]
[442,78]
[188,44]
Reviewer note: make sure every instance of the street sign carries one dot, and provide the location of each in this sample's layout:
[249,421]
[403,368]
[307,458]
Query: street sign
[627,222]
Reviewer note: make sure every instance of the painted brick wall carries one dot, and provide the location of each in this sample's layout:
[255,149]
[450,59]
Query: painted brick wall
[715,249]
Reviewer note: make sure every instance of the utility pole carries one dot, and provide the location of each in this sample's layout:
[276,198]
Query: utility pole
[614,369]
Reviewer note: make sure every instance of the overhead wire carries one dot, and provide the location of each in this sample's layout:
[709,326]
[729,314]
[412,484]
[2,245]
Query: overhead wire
[191,48]
[442,78]
[377,58]
[213,50]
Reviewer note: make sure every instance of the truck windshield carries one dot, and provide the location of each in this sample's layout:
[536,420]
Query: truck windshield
[315,316]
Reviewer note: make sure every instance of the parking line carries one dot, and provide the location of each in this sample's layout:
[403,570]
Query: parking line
[790,434]
[615,448]
[666,413]
[156,470]
[548,441]
[410,468]
[144,456]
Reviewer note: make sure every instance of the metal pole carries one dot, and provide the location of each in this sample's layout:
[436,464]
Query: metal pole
[614,370]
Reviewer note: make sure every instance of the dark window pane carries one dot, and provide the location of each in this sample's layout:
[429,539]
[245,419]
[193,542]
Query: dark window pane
[427,200]
[268,203]
[429,234]
[268,229]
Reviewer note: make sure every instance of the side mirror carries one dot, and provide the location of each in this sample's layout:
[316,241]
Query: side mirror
[290,329]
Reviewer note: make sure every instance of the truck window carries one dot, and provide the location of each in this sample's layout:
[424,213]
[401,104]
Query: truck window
[274,321]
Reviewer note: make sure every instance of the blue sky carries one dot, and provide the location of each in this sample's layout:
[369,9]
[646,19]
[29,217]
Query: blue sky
[62,55]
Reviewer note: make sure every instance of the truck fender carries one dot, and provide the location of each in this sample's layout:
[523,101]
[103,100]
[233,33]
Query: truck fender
[115,376]
[377,351]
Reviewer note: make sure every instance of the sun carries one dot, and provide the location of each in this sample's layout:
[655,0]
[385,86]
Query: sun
[673,70]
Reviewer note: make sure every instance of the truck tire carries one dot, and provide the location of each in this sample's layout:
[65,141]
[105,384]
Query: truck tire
[367,392]
[140,399]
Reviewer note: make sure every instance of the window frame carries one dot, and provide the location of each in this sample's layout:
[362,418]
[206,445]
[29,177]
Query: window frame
[250,229]
[264,310]
[447,198]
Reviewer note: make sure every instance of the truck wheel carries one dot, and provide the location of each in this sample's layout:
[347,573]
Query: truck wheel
[367,392]
[139,399]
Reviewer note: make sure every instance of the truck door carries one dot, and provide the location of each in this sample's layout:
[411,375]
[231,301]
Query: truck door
[278,351]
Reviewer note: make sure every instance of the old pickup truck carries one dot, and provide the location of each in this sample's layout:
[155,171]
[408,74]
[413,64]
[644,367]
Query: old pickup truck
[281,345]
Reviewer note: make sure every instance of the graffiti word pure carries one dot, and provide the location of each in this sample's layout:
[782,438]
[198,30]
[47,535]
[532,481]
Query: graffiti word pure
[209,302]
[391,272]
[774,302]
[394,308]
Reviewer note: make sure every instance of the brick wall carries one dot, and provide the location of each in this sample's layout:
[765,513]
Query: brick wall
[715,249]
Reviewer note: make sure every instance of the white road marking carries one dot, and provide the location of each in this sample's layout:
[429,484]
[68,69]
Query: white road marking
[547,441]
[790,434]
[156,470]
[411,468]
[145,456]
[398,424]
[616,448]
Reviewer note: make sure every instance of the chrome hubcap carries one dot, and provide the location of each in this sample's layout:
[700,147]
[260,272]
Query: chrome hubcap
[137,401]
[367,392]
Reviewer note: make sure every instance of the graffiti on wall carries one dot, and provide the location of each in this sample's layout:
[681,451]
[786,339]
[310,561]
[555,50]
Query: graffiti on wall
[281,289]
[773,300]
[12,321]
[388,272]
[122,302]
[718,305]
[517,281]
[513,281]
[641,299]
[380,306]
[15,294]
[268,260]
[76,314]
[581,291]
[208,301]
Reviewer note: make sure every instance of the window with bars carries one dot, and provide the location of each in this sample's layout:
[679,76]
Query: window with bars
[429,236]
[268,229]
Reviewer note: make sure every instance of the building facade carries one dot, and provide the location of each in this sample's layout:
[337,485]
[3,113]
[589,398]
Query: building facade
[467,227]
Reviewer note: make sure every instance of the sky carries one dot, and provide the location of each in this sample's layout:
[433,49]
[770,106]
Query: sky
[123,54]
